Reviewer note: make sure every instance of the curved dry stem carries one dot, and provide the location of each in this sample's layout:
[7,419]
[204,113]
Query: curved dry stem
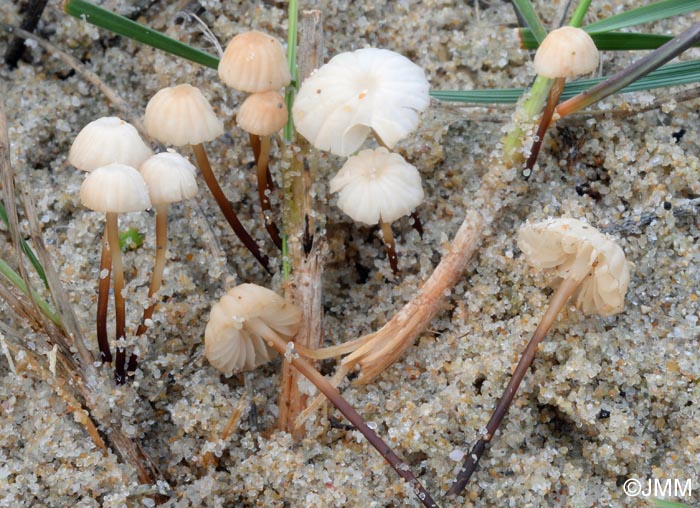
[103,299]
[119,304]
[559,299]
[225,206]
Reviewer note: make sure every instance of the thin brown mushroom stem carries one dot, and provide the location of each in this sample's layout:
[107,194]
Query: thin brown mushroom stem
[417,223]
[103,299]
[545,121]
[264,190]
[388,235]
[226,208]
[157,276]
[559,299]
[332,393]
[119,304]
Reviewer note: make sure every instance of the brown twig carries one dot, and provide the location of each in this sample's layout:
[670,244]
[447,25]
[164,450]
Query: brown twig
[16,48]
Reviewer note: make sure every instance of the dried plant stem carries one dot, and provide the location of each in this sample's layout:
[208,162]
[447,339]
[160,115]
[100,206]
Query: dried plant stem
[332,393]
[209,458]
[559,299]
[225,206]
[103,300]
[265,188]
[156,277]
[112,229]
[545,121]
[305,249]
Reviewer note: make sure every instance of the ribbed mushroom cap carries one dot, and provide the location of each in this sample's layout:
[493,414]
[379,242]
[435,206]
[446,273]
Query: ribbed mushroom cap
[342,101]
[115,188]
[181,115]
[234,336]
[254,62]
[377,184]
[565,53]
[262,113]
[569,248]
[105,141]
[170,178]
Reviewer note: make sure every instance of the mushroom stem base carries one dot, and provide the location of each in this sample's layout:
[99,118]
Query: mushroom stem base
[103,300]
[119,304]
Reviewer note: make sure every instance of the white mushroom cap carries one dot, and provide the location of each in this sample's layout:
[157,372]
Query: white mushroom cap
[377,184]
[569,248]
[263,113]
[341,102]
[254,62]
[565,53]
[170,178]
[181,115]
[234,336]
[115,188]
[106,140]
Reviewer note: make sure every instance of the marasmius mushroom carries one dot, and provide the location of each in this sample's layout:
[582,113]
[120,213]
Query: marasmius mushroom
[181,115]
[115,189]
[170,178]
[566,52]
[249,319]
[105,141]
[378,187]
[583,264]
[368,90]
[261,115]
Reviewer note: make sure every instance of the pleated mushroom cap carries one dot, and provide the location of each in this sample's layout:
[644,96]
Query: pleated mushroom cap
[566,52]
[170,178]
[569,248]
[181,115]
[234,338]
[105,141]
[377,184]
[254,62]
[115,188]
[263,113]
[354,93]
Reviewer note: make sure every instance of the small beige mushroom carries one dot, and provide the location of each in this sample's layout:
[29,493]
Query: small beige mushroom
[115,189]
[105,141]
[581,263]
[254,62]
[378,187]
[170,178]
[566,52]
[242,322]
[261,115]
[181,115]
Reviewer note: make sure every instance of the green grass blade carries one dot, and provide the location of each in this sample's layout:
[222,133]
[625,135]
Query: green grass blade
[527,11]
[661,503]
[608,41]
[669,75]
[16,280]
[647,14]
[123,26]
[26,249]
[580,13]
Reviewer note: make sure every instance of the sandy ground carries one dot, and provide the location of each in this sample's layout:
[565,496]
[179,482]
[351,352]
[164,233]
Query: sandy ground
[608,399]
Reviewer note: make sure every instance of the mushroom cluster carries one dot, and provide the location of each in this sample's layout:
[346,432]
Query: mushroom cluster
[368,91]
[255,62]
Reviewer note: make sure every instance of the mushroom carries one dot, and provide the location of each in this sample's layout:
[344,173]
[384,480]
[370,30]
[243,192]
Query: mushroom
[254,62]
[170,178]
[377,186]
[566,52]
[583,264]
[115,189]
[261,115]
[248,319]
[355,93]
[104,141]
[181,115]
